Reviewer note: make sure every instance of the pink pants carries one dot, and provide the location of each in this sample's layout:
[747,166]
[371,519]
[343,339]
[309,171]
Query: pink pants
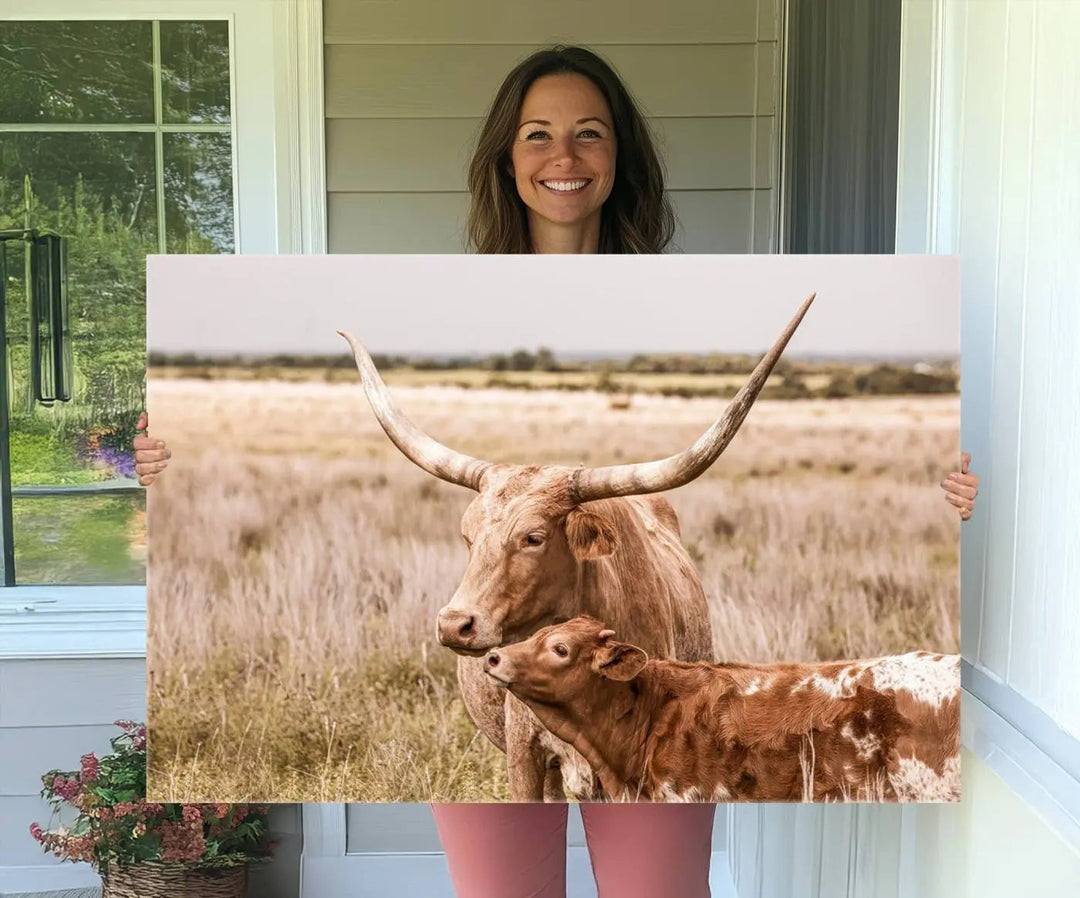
[519,850]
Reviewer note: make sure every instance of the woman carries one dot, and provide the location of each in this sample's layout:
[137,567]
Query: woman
[565,164]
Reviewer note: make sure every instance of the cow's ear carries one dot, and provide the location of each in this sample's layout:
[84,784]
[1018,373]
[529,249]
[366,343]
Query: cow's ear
[589,535]
[619,661]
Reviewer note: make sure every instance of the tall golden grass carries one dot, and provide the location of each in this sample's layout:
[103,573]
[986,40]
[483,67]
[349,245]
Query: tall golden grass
[297,562]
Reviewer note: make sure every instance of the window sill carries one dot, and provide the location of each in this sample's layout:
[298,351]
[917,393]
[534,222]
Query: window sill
[1037,759]
[73,622]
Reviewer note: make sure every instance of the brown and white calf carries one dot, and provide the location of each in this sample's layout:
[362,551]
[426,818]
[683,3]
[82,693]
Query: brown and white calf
[881,729]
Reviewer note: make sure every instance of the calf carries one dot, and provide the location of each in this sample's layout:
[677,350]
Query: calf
[882,729]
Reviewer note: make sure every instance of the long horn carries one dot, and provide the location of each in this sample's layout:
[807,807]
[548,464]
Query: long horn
[417,446]
[676,470]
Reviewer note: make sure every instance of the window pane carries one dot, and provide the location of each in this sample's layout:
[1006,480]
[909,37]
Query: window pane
[99,72]
[90,540]
[97,190]
[198,193]
[106,176]
[195,71]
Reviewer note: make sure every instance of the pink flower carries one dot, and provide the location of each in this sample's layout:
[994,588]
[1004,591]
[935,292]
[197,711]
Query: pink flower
[123,808]
[65,787]
[191,814]
[89,768]
[181,842]
[35,831]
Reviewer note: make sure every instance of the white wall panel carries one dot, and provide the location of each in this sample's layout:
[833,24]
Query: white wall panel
[27,752]
[990,170]
[1013,246]
[1047,581]
[1005,197]
[1005,194]
[73,692]
[978,133]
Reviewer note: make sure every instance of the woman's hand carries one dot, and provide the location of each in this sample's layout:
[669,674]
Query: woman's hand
[961,487]
[151,456]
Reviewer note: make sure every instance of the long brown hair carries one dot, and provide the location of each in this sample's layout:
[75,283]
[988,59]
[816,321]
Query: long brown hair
[637,216]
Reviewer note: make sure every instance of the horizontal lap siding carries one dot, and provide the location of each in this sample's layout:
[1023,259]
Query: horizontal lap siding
[407,86]
[51,713]
[509,22]
[372,81]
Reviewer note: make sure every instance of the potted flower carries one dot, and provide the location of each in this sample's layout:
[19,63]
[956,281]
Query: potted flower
[143,849]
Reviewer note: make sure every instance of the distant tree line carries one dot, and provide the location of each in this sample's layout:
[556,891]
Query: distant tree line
[788,381]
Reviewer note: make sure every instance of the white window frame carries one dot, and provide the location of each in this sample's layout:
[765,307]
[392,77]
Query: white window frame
[280,207]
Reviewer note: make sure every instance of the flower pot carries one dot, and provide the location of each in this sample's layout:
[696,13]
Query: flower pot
[173,880]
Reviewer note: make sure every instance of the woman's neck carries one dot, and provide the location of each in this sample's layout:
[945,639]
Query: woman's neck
[575,239]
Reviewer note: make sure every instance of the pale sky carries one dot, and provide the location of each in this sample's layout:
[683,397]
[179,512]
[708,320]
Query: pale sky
[866,305]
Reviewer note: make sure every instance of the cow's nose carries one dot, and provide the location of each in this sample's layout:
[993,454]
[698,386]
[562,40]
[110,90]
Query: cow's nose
[456,628]
[493,659]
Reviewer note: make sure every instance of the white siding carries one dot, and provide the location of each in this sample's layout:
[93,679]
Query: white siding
[407,85]
[988,170]
[1007,200]
[51,713]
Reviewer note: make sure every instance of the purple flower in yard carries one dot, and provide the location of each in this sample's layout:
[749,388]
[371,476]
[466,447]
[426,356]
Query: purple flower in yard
[119,462]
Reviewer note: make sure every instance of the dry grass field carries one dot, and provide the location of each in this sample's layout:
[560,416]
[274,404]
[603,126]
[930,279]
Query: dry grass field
[297,562]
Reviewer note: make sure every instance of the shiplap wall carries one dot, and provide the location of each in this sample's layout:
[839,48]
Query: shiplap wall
[407,84]
[1006,189]
[51,713]
[989,170]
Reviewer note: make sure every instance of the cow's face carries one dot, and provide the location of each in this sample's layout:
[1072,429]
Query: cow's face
[565,663]
[525,543]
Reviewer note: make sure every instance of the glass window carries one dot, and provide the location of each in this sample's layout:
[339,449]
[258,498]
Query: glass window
[67,72]
[195,71]
[117,136]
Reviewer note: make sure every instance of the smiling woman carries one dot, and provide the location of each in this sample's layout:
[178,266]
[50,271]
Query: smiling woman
[565,164]
[563,159]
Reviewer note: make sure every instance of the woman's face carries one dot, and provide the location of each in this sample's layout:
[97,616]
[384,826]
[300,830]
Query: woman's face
[563,155]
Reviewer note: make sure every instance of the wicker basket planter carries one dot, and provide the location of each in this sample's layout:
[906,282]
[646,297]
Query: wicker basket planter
[171,880]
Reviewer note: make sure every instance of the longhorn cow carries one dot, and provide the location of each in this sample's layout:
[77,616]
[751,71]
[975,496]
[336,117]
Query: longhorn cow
[550,542]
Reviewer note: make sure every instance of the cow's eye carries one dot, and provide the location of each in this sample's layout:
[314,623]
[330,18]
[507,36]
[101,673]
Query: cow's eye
[534,539]
[561,650]
[468,542]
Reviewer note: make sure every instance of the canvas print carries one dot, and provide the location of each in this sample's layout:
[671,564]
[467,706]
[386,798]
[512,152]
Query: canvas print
[512,528]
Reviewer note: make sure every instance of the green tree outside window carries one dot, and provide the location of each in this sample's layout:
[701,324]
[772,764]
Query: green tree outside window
[118,136]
